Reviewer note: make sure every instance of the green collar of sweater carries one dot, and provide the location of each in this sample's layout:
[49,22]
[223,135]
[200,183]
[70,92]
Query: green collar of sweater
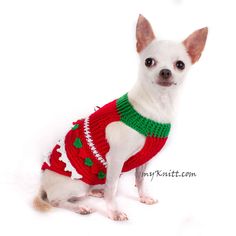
[143,125]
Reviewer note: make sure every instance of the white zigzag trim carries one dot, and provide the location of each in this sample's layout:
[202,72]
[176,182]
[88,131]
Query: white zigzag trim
[46,158]
[91,144]
[64,158]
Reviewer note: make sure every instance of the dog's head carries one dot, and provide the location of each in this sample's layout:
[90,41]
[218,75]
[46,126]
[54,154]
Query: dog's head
[164,64]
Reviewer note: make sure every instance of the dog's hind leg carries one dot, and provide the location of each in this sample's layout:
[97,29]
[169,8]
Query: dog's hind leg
[72,204]
[96,193]
[63,192]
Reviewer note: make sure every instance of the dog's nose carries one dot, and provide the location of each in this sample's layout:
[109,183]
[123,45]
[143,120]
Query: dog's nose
[165,74]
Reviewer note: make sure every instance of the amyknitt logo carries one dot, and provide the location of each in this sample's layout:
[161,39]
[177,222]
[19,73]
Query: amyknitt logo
[170,173]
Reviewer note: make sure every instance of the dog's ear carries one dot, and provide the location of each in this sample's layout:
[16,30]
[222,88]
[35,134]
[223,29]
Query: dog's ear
[195,43]
[144,33]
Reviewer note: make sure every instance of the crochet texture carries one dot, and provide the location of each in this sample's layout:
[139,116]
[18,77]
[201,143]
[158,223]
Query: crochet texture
[82,154]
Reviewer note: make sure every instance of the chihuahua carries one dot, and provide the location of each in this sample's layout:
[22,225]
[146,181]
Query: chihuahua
[123,134]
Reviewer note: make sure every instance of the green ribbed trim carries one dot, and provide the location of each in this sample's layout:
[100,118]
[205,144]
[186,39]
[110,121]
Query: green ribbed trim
[143,125]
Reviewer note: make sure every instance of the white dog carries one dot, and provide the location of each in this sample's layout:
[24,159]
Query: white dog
[124,134]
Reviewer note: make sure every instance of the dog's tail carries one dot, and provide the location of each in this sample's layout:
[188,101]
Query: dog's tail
[40,202]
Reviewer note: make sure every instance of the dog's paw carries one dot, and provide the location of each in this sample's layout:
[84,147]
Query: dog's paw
[118,216]
[147,200]
[83,210]
[97,193]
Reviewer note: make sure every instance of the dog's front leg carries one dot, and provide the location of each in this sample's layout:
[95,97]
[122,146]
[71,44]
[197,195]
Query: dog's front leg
[139,183]
[113,174]
[123,142]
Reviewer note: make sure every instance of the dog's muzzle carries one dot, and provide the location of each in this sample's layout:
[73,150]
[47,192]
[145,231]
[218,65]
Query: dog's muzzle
[165,78]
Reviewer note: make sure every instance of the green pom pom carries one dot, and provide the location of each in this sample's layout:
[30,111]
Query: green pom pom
[88,161]
[101,175]
[77,143]
[75,127]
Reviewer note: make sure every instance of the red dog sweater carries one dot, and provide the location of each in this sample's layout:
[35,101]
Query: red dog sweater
[82,154]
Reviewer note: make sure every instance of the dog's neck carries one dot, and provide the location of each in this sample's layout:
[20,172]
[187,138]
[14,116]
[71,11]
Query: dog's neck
[154,103]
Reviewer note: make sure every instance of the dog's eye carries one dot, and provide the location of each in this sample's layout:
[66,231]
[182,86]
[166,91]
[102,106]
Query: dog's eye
[180,65]
[150,62]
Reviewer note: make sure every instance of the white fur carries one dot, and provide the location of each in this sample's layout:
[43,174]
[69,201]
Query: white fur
[149,99]
[124,142]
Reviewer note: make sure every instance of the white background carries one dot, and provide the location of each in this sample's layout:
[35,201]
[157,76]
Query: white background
[59,59]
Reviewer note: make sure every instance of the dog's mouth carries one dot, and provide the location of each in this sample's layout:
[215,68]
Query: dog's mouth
[166,83]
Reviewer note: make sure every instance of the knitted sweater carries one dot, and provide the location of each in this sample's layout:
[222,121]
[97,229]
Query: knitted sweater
[82,154]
